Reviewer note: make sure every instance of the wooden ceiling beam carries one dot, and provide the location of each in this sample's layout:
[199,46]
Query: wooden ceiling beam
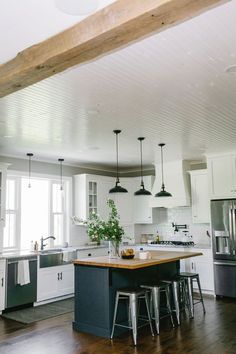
[111,28]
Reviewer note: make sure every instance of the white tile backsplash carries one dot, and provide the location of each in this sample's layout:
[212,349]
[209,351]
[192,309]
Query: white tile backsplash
[180,215]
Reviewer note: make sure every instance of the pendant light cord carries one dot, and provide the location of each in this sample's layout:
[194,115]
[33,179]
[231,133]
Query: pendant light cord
[61,160]
[141,163]
[162,173]
[117,164]
[61,175]
[29,171]
[29,154]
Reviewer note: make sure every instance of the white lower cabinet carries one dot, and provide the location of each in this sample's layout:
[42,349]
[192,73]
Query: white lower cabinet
[2,283]
[55,281]
[203,265]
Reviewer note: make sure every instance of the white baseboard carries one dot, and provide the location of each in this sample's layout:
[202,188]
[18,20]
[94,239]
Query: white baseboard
[53,300]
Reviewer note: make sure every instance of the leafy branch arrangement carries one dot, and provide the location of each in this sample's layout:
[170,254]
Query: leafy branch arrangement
[109,230]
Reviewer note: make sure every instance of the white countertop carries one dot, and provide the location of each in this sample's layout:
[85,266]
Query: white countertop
[28,253]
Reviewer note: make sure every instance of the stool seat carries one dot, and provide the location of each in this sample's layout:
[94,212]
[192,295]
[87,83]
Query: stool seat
[188,274]
[161,285]
[133,295]
[134,290]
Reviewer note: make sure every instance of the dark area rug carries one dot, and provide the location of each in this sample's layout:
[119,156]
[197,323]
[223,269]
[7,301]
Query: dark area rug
[42,312]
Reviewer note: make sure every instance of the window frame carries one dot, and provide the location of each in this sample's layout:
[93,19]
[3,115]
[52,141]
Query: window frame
[16,212]
[67,182]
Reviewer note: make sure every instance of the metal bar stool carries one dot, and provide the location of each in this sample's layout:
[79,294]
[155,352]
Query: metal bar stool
[133,295]
[190,278]
[156,290]
[179,293]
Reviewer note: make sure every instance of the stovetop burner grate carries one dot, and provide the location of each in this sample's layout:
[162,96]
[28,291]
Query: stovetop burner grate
[173,243]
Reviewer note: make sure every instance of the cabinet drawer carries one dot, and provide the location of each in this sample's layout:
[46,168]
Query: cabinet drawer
[99,252]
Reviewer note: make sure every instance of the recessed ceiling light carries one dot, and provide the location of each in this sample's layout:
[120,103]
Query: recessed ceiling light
[231,69]
[76,7]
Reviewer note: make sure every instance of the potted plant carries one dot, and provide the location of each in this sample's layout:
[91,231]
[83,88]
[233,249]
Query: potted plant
[113,232]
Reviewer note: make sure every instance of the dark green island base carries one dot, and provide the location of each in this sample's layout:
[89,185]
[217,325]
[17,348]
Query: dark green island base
[95,289]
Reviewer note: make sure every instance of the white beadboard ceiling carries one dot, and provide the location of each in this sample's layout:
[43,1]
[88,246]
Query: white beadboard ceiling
[171,87]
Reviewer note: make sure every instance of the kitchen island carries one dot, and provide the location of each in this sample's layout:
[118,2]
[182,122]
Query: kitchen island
[98,278]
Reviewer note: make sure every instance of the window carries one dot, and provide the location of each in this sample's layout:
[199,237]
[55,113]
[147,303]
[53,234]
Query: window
[9,239]
[32,213]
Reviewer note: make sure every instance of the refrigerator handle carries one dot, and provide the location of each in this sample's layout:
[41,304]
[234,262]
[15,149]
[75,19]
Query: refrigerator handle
[230,224]
[233,222]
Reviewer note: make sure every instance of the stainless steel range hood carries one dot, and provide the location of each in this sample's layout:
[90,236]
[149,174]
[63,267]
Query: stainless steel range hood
[177,182]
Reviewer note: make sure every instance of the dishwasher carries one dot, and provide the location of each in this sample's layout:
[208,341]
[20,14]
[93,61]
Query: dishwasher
[18,295]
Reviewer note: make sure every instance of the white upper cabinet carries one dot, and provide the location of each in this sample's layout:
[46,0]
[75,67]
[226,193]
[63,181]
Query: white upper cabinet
[143,213]
[91,194]
[222,176]
[124,201]
[200,196]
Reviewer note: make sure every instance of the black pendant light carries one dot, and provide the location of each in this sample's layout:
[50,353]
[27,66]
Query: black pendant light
[162,193]
[117,188]
[142,190]
[29,154]
[61,160]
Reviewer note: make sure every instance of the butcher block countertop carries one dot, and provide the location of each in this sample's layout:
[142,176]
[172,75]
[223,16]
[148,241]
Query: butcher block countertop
[157,257]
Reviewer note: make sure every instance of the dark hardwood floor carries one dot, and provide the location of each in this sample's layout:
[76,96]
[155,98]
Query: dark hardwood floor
[213,333]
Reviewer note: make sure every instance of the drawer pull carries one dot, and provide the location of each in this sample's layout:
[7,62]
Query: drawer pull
[89,255]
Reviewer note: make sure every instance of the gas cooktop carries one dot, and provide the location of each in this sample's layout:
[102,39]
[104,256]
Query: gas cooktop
[173,243]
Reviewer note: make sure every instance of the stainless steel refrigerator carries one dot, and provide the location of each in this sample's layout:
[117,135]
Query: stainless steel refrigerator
[223,218]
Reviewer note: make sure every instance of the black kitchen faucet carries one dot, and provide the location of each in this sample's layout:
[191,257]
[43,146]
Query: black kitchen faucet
[178,227]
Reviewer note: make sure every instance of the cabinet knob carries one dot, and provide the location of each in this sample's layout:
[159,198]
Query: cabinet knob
[89,255]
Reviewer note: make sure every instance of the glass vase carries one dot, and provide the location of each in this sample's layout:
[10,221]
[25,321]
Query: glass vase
[114,249]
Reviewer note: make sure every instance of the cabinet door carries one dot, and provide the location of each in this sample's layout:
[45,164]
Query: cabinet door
[200,197]
[124,201]
[143,213]
[104,185]
[65,283]
[91,194]
[47,283]
[203,265]
[221,177]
